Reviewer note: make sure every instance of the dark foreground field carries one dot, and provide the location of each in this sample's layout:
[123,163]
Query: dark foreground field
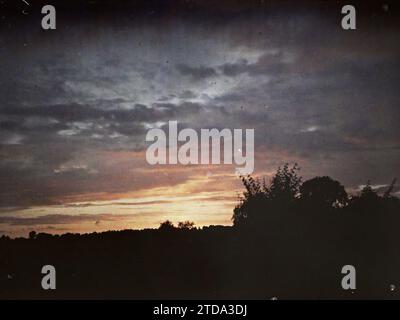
[220,262]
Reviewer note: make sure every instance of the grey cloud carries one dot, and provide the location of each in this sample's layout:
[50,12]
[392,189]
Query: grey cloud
[268,64]
[196,73]
[187,94]
[138,203]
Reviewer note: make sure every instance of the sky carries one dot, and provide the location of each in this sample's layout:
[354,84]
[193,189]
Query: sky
[76,103]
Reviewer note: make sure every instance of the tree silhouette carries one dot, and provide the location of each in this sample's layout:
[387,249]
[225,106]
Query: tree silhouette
[259,197]
[32,235]
[389,190]
[186,225]
[324,191]
[367,192]
[166,226]
[285,184]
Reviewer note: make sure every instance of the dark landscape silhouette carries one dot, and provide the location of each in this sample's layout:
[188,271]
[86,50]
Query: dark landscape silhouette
[289,239]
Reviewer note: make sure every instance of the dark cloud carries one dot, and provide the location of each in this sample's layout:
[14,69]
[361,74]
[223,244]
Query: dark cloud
[79,112]
[56,219]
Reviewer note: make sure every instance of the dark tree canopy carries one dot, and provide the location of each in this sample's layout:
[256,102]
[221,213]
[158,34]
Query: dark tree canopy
[32,235]
[285,183]
[260,198]
[324,191]
[186,225]
[166,225]
[285,195]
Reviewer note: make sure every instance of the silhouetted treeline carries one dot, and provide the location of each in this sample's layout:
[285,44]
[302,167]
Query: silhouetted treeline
[290,239]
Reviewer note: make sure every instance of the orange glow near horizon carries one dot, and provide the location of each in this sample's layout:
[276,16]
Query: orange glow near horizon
[136,196]
[138,210]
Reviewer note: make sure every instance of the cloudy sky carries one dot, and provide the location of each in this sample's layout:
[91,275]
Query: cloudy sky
[76,103]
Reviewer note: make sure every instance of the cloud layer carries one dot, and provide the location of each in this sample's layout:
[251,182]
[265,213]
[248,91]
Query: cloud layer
[75,105]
